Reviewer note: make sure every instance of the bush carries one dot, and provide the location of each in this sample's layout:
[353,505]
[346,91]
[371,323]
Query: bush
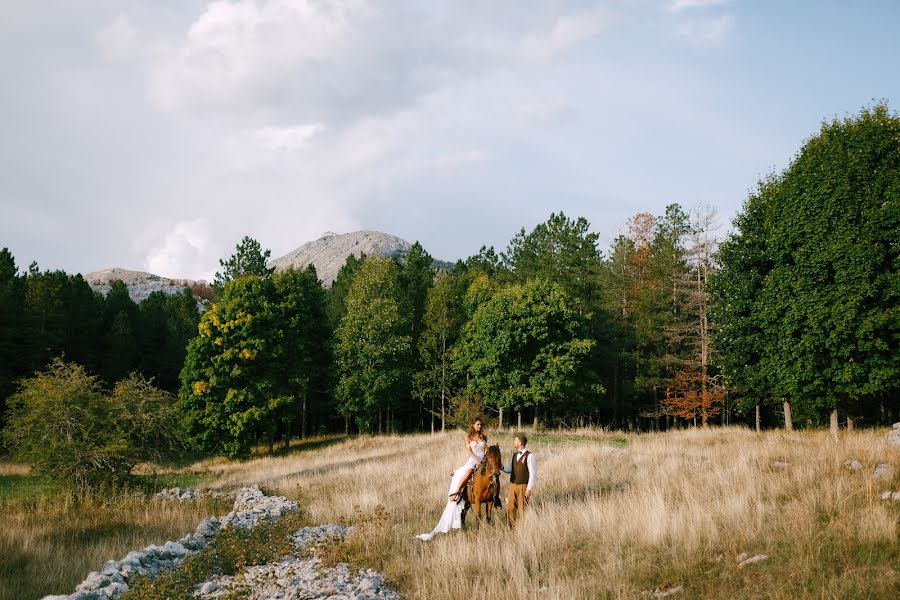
[63,423]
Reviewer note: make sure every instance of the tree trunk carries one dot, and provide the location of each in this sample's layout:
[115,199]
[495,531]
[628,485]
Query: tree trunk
[849,423]
[346,424]
[271,440]
[501,419]
[833,423]
[788,421]
[536,418]
[758,428]
[520,420]
[303,420]
[287,437]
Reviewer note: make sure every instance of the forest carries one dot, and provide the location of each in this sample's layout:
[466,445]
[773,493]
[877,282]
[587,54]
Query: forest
[790,319]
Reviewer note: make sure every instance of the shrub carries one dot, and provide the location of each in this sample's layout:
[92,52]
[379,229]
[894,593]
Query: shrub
[63,423]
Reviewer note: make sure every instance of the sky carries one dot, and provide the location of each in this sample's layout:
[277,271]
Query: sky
[155,134]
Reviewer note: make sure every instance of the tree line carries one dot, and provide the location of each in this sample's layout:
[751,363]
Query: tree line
[49,314]
[795,314]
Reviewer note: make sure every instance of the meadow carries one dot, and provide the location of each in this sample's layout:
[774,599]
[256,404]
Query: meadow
[614,515]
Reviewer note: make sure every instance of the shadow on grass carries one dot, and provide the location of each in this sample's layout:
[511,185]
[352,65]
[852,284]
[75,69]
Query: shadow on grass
[306,445]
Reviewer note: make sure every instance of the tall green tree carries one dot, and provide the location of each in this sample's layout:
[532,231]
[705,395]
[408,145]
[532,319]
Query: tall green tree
[248,259]
[229,383]
[11,303]
[305,359]
[443,320]
[829,301]
[373,348]
[337,293]
[525,348]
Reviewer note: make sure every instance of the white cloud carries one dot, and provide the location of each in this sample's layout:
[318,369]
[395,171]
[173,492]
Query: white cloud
[286,138]
[119,41]
[550,110]
[567,32]
[466,157]
[187,251]
[706,31]
[681,5]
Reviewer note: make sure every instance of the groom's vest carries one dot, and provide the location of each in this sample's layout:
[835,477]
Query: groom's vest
[519,471]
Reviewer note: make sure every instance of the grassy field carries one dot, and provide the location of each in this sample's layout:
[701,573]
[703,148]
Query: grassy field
[614,516]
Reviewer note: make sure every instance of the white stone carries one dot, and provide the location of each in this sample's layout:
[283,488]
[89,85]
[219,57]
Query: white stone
[853,465]
[895,496]
[753,559]
[893,436]
[886,495]
[883,471]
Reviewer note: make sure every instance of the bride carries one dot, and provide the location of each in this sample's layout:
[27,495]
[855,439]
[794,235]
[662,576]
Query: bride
[476,442]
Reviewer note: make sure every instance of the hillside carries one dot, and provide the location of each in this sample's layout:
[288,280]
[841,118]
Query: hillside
[330,252]
[141,284]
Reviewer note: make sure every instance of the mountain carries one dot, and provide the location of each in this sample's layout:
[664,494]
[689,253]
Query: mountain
[330,252]
[141,284]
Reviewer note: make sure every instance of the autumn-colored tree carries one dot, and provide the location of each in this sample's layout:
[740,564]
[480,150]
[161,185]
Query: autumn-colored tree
[692,395]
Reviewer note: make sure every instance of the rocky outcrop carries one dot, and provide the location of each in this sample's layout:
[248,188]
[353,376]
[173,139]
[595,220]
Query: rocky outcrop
[141,284]
[330,252]
[301,575]
[177,494]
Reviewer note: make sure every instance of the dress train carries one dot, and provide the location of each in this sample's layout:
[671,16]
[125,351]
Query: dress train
[452,517]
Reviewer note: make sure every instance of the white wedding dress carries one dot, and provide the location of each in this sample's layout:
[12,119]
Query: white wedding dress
[452,517]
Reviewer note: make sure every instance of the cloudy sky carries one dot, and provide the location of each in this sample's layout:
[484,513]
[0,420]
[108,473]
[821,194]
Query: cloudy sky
[154,134]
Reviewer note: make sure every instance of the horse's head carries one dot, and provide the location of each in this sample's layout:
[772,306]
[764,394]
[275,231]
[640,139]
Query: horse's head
[493,459]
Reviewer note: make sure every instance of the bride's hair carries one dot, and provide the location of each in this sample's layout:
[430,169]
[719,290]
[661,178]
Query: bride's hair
[472,435]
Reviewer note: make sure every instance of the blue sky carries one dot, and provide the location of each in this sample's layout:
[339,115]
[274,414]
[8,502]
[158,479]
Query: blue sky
[153,135]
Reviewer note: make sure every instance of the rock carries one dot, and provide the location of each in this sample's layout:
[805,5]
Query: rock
[893,436]
[209,587]
[886,495]
[883,471]
[781,464]
[853,465]
[669,592]
[753,559]
[895,496]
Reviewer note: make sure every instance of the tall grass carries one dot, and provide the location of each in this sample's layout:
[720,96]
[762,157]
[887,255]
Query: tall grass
[48,545]
[613,516]
[676,509]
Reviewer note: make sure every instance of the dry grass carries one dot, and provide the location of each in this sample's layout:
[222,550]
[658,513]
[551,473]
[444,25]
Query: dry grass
[675,509]
[48,546]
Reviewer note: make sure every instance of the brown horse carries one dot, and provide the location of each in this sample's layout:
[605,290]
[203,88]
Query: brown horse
[484,484]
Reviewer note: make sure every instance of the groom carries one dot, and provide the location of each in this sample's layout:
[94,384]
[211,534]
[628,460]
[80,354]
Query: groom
[522,477]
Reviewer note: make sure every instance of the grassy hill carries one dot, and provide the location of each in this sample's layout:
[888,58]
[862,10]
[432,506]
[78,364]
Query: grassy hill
[614,515]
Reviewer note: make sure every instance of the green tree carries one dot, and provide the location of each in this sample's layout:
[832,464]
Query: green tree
[306,355]
[64,425]
[11,304]
[829,301]
[525,348]
[735,291]
[373,349]
[443,320]
[248,259]
[337,293]
[230,390]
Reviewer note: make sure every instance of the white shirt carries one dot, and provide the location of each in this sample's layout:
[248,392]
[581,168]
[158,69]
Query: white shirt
[532,467]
